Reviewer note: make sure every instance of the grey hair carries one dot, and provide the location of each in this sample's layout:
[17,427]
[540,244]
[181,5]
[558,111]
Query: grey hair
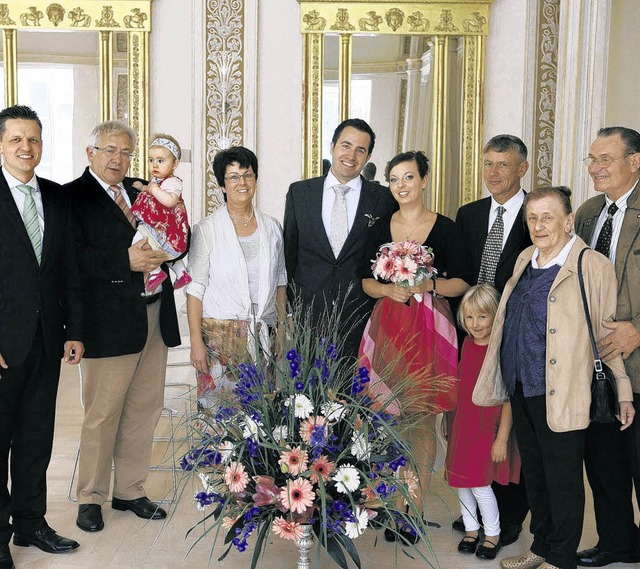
[111,128]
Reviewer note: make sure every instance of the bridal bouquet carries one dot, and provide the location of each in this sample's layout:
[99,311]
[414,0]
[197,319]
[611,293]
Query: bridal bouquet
[302,443]
[405,263]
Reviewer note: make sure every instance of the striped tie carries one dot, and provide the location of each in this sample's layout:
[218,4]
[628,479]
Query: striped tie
[30,219]
[122,204]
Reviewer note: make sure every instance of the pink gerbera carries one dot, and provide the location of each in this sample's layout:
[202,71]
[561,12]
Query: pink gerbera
[297,496]
[406,269]
[307,426]
[295,460]
[384,267]
[286,529]
[321,467]
[235,477]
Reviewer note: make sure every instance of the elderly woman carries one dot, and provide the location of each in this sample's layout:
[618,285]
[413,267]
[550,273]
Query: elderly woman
[238,292]
[540,356]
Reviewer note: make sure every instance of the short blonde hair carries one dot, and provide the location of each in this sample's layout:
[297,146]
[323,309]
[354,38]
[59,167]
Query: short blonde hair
[481,299]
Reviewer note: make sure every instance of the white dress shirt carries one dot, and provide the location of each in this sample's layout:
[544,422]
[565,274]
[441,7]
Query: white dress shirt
[329,196]
[512,207]
[109,191]
[616,222]
[19,197]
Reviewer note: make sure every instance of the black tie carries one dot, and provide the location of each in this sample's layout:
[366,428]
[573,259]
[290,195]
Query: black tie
[604,239]
[492,250]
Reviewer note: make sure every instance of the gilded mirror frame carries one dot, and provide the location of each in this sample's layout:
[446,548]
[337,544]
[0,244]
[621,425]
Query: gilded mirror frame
[105,17]
[438,19]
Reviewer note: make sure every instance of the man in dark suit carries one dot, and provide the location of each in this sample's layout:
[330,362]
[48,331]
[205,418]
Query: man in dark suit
[40,322]
[504,166]
[126,333]
[610,223]
[327,225]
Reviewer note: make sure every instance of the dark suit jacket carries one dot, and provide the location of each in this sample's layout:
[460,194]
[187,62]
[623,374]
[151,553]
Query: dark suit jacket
[115,311]
[473,221]
[627,265]
[312,268]
[32,293]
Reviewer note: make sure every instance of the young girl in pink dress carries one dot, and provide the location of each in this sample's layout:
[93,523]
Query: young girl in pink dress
[161,211]
[481,448]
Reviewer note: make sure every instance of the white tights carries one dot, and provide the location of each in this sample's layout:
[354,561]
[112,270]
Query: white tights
[483,498]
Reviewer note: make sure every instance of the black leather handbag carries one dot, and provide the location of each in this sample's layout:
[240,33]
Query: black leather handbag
[604,389]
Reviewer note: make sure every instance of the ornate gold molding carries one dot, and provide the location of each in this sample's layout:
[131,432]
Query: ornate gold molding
[444,17]
[224,86]
[132,17]
[472,113]
[545,91]
[440,19]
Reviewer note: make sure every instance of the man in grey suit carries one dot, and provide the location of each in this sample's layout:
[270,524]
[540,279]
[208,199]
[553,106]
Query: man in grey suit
[610,223]
[327,225]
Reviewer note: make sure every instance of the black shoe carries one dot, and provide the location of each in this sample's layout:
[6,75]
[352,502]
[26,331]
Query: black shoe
[509,534]
[468,544]
[488,551]
[141,507]
[89,517]
[458,525]
[6,562]
[596,557]
[47,540]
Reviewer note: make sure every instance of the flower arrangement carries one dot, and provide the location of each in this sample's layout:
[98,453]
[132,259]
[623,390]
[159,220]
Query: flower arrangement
[405,263]
[302,442]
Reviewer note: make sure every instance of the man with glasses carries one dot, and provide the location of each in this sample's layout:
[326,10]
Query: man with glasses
[126,333]
[610,223]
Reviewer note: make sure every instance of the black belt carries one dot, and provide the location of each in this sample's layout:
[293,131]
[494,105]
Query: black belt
[153,298]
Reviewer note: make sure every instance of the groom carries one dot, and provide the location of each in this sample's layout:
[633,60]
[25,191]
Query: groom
[327,225]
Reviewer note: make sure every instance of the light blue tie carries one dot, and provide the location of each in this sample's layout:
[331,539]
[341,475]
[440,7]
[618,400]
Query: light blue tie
[30,218]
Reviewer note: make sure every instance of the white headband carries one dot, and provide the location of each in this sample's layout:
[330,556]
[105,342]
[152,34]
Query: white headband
[166,143]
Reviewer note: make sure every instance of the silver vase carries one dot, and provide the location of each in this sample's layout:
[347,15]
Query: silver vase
[304,547]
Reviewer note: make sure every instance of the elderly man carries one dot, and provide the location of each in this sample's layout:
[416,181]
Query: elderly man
[41,321]
[126,333]
[494,233]
[327,222]
[610,222]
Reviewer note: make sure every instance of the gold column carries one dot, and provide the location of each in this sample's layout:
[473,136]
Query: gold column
[106,75]
[10,67]
[472,112]
[312,102]
[138,67]
[439,131]
[344,73]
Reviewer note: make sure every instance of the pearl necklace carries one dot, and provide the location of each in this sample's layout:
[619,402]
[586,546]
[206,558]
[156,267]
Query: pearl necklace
[244,223]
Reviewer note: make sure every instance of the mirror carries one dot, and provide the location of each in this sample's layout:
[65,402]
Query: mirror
[77,65]
[414,71]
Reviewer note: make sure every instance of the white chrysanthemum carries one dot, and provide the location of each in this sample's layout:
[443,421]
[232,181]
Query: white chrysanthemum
[333,411]
[226,451]
[347,479]
[360,448]
[251,428]
[357,528]
[302,406]
[281,433]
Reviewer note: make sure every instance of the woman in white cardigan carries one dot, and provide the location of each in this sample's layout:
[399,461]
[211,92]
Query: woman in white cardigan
[238,293]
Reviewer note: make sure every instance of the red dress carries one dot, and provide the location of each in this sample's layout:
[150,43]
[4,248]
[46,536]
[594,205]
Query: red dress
[468,463]
[169,225]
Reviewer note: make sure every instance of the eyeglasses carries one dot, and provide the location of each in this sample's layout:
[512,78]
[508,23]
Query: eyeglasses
[235,178]
[603,161]
[113,152]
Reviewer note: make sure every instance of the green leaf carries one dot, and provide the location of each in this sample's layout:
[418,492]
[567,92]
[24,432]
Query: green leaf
[333,549]
[260,543]
[222,557]
[347,543]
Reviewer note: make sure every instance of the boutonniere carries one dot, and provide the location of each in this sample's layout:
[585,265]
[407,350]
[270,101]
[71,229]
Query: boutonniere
[370,219]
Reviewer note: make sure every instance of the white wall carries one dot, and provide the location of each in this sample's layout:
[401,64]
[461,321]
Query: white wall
[623,85]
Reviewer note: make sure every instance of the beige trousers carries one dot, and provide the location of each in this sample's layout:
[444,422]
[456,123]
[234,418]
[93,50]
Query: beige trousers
[123,398]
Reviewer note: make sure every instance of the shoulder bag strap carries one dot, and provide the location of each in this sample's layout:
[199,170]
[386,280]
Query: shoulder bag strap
[597,362]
